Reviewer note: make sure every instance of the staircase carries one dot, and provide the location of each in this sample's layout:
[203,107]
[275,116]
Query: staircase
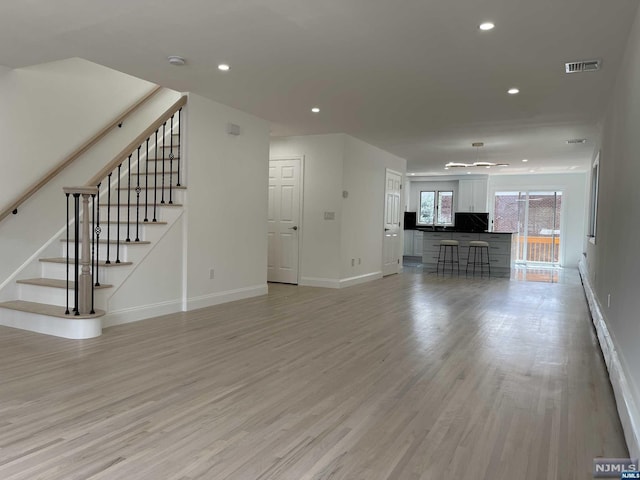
[129,210]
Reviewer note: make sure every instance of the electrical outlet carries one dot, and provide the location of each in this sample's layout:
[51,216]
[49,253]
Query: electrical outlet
[359,261]
[212,274]
[353,262]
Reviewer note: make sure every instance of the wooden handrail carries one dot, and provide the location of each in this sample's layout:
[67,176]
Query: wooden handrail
[118,159]
[13,206]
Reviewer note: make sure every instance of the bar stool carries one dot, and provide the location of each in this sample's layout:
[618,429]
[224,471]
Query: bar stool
[448,245]
[476,246]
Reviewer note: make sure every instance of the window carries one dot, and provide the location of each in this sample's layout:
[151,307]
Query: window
[593,204]
[436,207]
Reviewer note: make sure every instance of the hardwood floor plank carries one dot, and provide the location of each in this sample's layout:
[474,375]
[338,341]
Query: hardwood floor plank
[408,377]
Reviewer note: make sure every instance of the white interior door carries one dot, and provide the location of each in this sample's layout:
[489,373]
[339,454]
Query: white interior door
[284,220]
[391,247]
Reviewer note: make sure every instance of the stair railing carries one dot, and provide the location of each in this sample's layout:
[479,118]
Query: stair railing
[12,208]
[148,149]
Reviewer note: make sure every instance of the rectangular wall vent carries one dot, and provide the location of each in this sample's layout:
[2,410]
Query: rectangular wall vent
[582,66]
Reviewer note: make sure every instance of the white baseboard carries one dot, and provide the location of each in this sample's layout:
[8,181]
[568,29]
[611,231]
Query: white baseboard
[319,282]
[367,277]
[227,296]
[626,403]
[135,314]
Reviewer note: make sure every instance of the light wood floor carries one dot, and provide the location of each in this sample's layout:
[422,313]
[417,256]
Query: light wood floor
[409,377]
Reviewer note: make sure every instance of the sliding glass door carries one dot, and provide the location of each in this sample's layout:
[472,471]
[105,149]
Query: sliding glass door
[534,218]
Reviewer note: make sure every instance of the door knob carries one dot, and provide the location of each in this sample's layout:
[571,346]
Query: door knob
[386,229]
[293,228]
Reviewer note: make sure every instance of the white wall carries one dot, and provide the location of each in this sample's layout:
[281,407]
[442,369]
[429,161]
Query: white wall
[614,262]
[226,217]
[333,163]
[323,185]
[46,111]
[574,197]
[35,94]
[363,210]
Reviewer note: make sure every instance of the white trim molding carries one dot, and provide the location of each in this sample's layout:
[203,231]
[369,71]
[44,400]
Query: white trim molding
[625,401]
[144,312]
[357,280]
[319,282]
[217,298]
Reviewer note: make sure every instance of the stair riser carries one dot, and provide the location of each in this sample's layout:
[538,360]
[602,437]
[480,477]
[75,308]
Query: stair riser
[177,195]
[58,296]
[167,152]
[168,180]
[145,232]
[59,327]
[125,251]
[107,275]
[160,212]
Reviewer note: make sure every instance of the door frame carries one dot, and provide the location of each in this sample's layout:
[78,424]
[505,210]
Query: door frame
[300,158]
[491,193]
[400,214]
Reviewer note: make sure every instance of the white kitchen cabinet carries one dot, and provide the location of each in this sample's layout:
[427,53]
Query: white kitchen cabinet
[472,195]
[417,243]
[408,242]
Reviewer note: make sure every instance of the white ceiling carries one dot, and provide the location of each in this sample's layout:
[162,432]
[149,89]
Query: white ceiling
[416,78]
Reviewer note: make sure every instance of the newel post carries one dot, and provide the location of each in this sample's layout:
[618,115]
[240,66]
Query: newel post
[83,276]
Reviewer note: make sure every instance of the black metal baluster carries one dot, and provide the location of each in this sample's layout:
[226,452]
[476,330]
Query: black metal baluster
[164,140]
[98,230]
[118,219]
[76,287]
[155,183]
[179,143]
[108,262]
[66,312]
[138,190]
[93,250]
[171,156]
[146,184]
[129,199]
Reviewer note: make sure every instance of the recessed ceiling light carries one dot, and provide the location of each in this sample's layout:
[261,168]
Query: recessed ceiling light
[176,60]
[525,160]
[223,67]
[446,168]
[468,173]
[412,174]
[315,110]
[531,171]
[487,166]
[513,91]
[486,26]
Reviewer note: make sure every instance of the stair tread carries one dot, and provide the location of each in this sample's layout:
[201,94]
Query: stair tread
[115,242]
[55,282]
[45,309]
[173,187]
[101,263]
[124,222]
[124,205]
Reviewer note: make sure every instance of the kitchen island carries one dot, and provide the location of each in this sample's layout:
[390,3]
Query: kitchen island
[499,248]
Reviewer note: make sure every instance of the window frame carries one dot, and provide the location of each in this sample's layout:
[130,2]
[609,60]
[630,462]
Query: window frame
[436,209]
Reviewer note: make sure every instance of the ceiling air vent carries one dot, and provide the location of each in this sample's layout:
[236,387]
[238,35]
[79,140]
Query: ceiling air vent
[575,141]
[583,66]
